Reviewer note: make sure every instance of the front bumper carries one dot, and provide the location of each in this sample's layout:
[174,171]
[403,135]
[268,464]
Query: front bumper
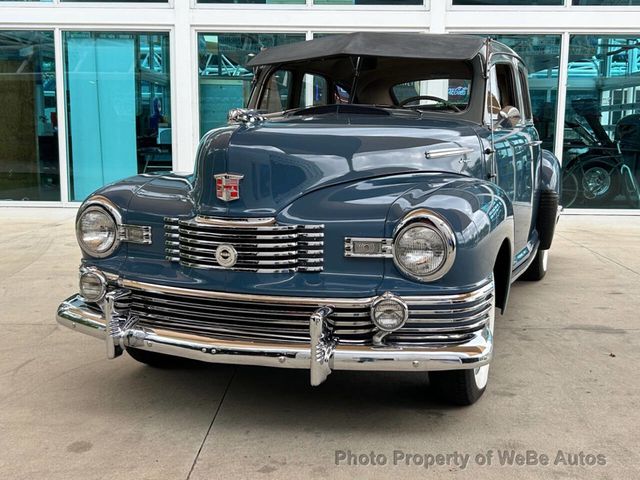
[321,356]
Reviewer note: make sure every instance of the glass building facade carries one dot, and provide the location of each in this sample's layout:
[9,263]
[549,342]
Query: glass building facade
[29,162]
[85,103]
[118,107]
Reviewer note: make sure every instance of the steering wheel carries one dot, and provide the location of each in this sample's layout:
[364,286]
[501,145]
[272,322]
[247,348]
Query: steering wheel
[446,103]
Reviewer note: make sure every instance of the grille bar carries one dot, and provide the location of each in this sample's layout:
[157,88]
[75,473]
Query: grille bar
[435,320]
[262,245]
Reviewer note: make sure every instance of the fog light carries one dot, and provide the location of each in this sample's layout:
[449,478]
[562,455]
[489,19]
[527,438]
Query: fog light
[93,285]
[389,312]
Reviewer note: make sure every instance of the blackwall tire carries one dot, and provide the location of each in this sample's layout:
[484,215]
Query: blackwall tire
[461,387]
[538,268]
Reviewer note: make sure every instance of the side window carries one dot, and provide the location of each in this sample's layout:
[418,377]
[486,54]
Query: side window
[526,101]
[503,91]
[276,95]
[314,92]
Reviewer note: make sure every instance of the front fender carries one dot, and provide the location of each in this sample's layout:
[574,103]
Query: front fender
[480,214]
[550,173]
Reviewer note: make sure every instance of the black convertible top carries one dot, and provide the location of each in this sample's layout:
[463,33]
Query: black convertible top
[375,44]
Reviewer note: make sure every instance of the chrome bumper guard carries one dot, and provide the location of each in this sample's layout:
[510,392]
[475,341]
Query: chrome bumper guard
[323,355]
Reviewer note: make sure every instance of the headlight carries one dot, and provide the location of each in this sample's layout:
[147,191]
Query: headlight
[97,230]
[424,246]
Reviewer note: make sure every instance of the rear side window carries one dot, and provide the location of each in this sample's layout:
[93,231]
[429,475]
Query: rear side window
[277,92]
[314,92]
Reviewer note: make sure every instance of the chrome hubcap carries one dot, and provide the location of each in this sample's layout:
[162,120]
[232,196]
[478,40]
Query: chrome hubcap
[596,182]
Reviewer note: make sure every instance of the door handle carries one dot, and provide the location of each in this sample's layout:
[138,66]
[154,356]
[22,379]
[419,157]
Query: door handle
[534,143]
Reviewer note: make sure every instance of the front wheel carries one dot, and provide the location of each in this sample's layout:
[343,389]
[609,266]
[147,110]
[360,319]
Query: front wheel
[460,387]
[538,268]
[463,387]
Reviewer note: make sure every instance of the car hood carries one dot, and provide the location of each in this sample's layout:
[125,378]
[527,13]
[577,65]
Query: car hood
[282,159]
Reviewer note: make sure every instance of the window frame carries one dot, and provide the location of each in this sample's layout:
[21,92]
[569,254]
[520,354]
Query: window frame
[525,96]
[509,61]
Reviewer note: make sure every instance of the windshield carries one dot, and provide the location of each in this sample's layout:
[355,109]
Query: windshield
[434,94]
[416,84]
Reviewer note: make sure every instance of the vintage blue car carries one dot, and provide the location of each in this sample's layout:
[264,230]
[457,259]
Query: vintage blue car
[369,210]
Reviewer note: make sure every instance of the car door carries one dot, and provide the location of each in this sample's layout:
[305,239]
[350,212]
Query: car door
[528,166]
[512,157]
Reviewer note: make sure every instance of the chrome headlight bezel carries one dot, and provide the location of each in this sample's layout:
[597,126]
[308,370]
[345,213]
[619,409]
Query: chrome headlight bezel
[424,218]
[101,281]
[389,297]
[106,207]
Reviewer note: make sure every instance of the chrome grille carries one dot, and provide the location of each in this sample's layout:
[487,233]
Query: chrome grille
[262,245]
[249,320]
[447,318]
[432,319]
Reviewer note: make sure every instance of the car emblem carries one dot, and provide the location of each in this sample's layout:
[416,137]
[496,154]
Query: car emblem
[228,186]
[226,256]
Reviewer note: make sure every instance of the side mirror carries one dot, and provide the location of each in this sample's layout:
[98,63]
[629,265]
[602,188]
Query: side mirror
[509,117]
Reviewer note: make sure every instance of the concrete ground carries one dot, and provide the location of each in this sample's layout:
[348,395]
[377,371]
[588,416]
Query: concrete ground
[564,378]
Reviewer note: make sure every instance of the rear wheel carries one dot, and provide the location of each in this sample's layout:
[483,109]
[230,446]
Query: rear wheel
[538,268]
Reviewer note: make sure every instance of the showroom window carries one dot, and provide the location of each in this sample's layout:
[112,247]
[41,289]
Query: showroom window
[511,3]
[601,156]
[321,2]
[368,2]
[613,3]
[541,55]
[224,79]
[28,117]
[92,1]
[118,107]
[290,2]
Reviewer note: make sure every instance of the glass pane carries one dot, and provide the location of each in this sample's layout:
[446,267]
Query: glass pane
[118,1]
[508,2]
[369,2]
[601,160]
[292,2]
[315,91]
[624,3]
[435,93]
[224,79]
[29,167]
[277,92]
[541,54]
[118,107]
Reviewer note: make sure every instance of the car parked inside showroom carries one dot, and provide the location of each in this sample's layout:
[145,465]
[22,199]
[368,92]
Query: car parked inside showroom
[368,210]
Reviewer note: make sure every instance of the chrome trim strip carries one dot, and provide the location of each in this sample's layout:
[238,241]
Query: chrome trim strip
[232,222]
[424,300]
[447,152]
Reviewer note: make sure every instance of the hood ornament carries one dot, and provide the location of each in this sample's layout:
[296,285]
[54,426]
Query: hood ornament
[245,115]
[228,186]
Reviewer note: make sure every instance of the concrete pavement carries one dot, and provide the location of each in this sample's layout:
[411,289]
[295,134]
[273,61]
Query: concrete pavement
[564,379]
